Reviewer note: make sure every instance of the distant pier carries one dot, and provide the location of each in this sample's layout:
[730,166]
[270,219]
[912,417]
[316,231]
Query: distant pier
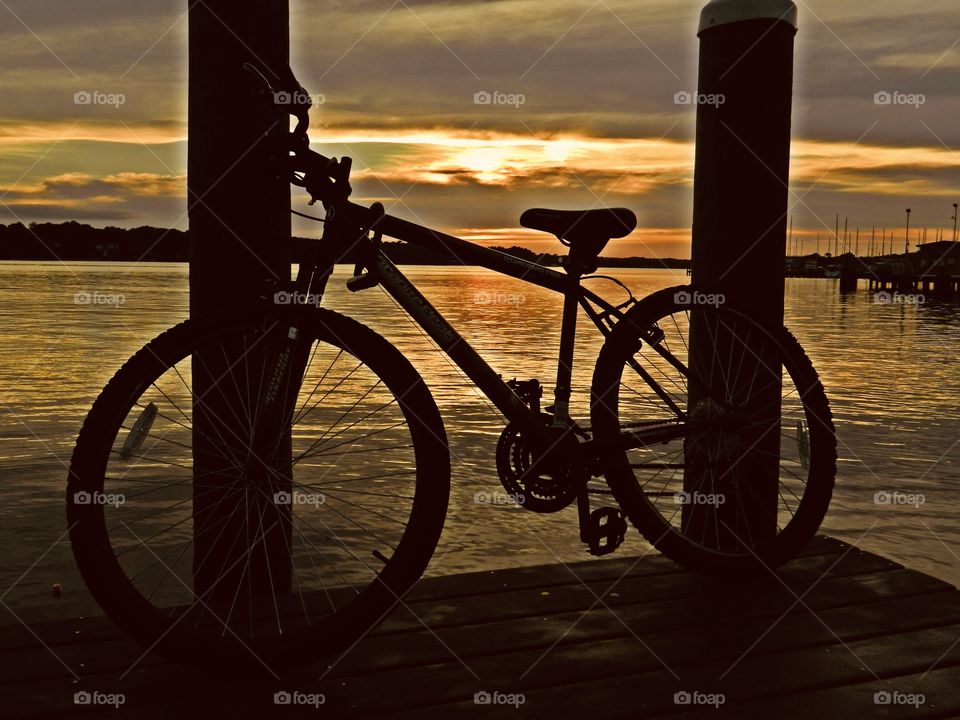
[933,270]
[946,286]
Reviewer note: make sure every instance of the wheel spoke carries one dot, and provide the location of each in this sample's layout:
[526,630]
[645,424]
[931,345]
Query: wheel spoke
[285,534]
[742,388]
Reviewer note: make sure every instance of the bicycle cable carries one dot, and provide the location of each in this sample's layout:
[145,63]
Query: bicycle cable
[308,217]
[611,279]
[437,348]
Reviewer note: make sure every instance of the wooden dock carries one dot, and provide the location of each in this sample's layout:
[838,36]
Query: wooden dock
[939,286]
[835,634]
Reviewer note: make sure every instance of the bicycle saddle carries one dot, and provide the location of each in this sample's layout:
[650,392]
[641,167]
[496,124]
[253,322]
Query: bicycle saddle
[586,231]
[579,226]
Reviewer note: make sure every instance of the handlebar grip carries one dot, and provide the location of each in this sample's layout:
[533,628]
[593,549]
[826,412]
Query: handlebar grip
[362,282]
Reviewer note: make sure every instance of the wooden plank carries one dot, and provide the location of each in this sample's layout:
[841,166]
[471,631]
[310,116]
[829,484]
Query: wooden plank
[795,630]
[381,691]
[609,567]
[394,651]
[95,628]
[622,697]
[534,601]
[939,688]
[120,653]
[656,656]
[777,684]
[600,660]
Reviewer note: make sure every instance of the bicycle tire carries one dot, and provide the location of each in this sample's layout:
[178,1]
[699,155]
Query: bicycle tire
[642,504]
[156,627]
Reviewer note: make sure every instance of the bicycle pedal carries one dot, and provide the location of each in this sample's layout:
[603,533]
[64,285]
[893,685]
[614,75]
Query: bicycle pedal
[607,530]
[139,431]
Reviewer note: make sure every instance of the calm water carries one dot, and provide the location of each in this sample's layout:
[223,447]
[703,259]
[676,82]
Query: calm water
[889,371]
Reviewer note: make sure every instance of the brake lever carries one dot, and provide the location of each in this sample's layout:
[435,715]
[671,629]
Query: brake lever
[330,181]
[364,280]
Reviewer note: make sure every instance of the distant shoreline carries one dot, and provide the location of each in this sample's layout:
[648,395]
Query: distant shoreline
[77,242]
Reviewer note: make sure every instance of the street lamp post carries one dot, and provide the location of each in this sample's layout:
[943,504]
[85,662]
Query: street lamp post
[955,205]
[906,249]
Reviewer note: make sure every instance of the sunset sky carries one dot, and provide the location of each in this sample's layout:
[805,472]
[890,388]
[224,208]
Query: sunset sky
[598,124]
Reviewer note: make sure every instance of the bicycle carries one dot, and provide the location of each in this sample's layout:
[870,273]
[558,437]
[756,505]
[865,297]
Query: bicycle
[269,488]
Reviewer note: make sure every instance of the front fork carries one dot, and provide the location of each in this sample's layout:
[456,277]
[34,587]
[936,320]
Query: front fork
[288,350]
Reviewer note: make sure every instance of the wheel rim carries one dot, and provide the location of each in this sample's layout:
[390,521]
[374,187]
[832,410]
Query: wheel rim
[734,482]
[342,522]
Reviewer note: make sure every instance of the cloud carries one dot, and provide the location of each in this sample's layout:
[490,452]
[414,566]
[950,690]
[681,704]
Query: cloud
[598,124]
[147,132]
[78,186]
[135,197]
[44,211]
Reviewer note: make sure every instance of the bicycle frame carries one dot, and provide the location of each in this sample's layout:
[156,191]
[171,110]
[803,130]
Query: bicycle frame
[342,229]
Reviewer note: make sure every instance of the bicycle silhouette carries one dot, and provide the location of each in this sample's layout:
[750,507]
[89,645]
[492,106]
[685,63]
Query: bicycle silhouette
[265,490]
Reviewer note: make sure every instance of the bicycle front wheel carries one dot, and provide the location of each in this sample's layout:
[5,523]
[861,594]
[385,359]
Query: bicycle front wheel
[717,435]
[209,548]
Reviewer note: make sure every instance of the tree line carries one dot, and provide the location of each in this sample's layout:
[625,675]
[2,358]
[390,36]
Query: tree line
[76,241]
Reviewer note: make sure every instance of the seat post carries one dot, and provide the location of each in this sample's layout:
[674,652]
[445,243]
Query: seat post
[568,334]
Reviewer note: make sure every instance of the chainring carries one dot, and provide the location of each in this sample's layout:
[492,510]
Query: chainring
[543,493]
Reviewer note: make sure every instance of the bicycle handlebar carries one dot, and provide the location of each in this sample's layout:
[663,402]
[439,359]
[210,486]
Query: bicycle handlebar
[325,179]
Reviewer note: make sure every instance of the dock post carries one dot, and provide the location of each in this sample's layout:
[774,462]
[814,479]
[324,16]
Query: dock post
[848,277]
[740,203]
[239,216]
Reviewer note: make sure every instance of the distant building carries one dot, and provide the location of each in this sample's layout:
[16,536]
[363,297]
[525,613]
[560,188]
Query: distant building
[942,256]
[804,266]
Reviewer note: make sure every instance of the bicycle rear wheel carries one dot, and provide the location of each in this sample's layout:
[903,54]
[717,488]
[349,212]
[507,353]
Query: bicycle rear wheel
[740,468]
[296,561]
